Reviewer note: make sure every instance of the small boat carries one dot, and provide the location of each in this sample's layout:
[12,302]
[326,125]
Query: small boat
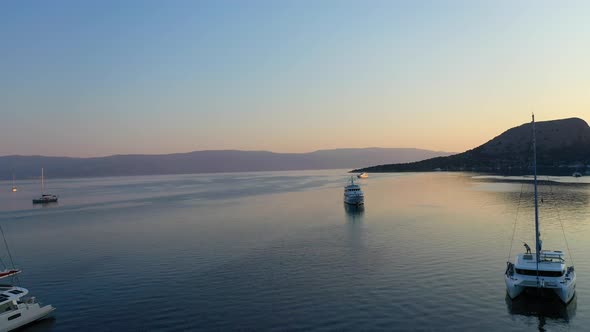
[14,188]
[45,198]
[353,194]
[363,175]
[543,270]
[16,309]
[577,175]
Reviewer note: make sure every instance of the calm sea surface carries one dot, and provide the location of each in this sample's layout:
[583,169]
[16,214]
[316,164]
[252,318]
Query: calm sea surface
[279,250]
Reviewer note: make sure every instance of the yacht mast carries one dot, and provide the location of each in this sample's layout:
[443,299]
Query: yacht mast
[537,233]
[42,182]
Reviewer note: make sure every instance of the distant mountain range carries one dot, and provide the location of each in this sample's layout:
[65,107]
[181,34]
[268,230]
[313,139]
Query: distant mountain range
[205,162]
[561,145]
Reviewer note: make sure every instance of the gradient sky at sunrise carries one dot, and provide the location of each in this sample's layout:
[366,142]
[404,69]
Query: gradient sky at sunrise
[93,78]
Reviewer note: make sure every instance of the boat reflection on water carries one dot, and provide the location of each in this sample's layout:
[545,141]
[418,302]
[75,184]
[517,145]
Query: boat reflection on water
[354,213]
[47,205]
[543,306]
[355,233]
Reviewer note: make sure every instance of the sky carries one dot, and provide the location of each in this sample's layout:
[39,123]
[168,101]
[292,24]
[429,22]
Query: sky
[95,78]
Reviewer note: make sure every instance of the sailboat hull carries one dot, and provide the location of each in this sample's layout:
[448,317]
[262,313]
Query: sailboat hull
[512,288]
[565,289]
[566,292]
[26,314]
[45,199]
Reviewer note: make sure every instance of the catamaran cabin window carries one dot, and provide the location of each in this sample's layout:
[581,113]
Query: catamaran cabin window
[541,273]
[14,316]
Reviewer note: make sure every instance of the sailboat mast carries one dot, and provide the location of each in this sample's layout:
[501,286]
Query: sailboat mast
[537,233]
[42,182]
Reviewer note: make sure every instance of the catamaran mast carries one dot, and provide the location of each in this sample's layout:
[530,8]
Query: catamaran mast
[537,232]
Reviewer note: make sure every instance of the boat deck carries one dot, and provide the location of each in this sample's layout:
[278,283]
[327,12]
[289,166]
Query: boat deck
[11,293]
[549,261]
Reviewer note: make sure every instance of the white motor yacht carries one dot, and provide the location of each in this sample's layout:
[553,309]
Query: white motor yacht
[542,269]
[363,175]
[353,194]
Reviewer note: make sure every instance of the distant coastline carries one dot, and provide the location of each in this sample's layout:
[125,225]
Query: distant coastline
[210,161]
[563,148]
[511,171]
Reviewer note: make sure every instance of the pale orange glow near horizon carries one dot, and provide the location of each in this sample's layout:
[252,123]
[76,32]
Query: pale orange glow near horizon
[447,76]
[436,135]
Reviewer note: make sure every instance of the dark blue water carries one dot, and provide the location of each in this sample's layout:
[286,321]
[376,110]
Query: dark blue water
[280,250]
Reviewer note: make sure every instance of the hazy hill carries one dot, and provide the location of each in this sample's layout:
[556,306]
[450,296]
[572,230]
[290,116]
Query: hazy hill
[205,161]
[560,143]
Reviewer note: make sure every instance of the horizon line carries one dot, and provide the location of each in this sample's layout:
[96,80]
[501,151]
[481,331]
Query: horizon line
[219,150]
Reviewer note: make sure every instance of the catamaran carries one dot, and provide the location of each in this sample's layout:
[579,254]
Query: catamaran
[45,198]
[542,269]
[16,309]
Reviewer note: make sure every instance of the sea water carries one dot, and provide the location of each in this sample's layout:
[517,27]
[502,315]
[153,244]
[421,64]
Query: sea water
[281,251]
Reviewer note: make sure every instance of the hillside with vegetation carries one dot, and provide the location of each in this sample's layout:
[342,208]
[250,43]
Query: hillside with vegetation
[562,145]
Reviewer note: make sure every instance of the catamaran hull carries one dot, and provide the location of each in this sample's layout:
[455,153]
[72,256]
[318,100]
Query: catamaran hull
[26,314]
[512,289]
[565,292]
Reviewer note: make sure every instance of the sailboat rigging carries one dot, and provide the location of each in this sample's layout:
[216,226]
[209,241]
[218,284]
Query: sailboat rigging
[545,269]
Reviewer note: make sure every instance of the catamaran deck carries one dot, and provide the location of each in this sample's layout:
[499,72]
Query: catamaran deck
[11,293]
[549,261]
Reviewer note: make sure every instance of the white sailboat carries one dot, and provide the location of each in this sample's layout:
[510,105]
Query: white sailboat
[45,198]
[542,269]
[16,309]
